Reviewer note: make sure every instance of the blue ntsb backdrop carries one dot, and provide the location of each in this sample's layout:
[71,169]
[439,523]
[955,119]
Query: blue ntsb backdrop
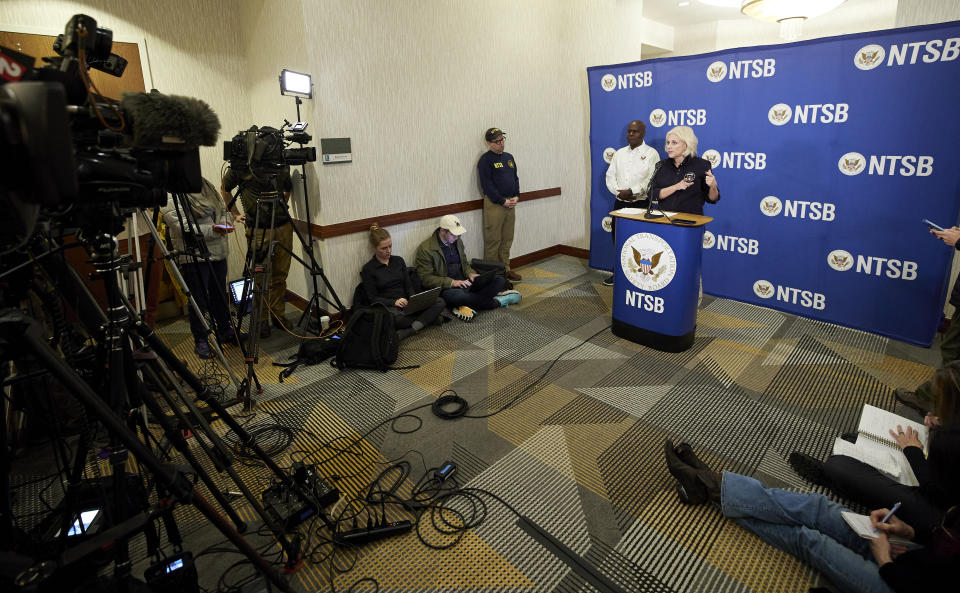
[827,154]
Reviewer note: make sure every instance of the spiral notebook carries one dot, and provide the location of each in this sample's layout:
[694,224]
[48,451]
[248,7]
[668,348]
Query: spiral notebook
[876,447]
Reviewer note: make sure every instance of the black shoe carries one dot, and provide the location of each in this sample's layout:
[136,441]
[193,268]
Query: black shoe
[808,468]
[608,281]
[264,329]
[911,399]
[689,487]
[685,452]
[850,437]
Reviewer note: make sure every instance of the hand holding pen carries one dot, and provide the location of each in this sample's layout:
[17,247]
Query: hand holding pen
[885,521]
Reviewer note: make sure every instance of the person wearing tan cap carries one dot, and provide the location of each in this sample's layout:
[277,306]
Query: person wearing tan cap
[501,192]
[441,261]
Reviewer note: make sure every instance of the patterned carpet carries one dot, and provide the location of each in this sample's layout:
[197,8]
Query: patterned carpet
[579,452]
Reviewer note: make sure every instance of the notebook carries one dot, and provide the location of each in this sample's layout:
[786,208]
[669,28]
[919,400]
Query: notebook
[421,300]
[876,447]
[862,526]
[482,279]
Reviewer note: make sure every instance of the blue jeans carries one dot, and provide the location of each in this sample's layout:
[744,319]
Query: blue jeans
[808,526]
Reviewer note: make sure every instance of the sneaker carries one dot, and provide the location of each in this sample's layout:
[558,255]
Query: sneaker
[464,313]
[911,399]
[608,281]
[508,291]
[808,468]
[203,350]
[507,298]
[511,275]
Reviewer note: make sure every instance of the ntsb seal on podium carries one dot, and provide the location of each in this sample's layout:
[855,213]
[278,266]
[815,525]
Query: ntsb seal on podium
[648,261]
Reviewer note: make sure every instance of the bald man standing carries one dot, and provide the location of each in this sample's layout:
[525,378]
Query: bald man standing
[629,175]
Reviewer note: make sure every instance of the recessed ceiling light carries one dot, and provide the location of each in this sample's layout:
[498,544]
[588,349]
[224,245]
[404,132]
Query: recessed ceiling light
[682,4]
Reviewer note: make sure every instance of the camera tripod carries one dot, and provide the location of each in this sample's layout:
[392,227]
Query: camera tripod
[202,255]
[132,349]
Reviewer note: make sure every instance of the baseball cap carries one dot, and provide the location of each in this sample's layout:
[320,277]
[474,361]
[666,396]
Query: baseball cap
[493,133]
[452,224]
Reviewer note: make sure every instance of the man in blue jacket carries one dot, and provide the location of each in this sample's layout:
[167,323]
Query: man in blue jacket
[501,190]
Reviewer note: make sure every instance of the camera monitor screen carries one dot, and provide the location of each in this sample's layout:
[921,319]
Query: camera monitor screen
[236,291]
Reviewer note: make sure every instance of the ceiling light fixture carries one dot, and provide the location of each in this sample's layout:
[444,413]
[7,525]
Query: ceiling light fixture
[789,13]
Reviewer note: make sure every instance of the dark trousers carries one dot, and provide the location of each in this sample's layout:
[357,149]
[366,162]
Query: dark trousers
[426,316]
[949,351]
[207,282]
[481,299]
[860,482]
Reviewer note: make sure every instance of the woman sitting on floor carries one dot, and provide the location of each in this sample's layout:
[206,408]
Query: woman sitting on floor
[386,281]
[810,527]
[938,474]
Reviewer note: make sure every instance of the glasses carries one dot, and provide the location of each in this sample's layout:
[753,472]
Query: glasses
[500,141]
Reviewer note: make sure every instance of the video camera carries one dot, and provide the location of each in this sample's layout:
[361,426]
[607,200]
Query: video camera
[264,150]
[66,147]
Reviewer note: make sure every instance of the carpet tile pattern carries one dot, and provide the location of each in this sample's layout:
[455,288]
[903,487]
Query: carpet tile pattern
[575,444]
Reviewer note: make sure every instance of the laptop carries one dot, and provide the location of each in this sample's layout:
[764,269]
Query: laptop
[421,300]
[482,280]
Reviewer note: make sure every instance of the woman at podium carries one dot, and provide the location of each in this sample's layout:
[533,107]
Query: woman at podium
[683,181]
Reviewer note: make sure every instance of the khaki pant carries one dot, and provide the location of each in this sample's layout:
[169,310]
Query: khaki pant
[279,266]
[498,223]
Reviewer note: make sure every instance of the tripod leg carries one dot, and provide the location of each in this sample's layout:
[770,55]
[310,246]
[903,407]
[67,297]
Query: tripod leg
[21,334]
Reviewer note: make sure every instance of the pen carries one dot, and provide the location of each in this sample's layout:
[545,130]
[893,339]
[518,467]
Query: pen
[888,515]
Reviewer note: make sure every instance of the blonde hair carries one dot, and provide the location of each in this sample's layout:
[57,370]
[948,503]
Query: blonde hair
[685,133]
[377,235]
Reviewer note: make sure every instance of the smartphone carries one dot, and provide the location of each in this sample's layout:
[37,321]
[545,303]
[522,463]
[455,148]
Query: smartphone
[932,225]
[223,227]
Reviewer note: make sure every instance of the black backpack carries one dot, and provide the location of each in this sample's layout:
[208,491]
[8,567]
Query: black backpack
[370,340]
[312,351]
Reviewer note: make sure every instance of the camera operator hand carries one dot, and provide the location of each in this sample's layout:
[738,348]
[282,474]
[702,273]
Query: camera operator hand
[400,303]
[241,218]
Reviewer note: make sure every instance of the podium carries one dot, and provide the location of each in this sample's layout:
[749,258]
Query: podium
[656,282]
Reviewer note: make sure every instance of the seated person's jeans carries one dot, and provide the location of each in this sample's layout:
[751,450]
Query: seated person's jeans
[481,299]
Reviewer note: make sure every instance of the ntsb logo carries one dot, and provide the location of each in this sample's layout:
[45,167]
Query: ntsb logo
[779,114]
[736,160]
[794,296]
[608,153]
[607,224]
[842,261]
[648,261]
[732,244]
[854,163]
[713,156]
[758,68]
[631,80]
[812,113]
[658,117]
[763,289]
[709,240]
[772,206]
[678,117]
[869,57]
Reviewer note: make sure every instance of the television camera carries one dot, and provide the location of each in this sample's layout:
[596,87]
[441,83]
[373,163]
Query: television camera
[265,150]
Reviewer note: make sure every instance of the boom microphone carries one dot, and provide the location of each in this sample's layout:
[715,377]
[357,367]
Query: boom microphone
[169,121]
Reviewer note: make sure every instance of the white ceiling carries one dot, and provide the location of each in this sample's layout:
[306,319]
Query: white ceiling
[670,13]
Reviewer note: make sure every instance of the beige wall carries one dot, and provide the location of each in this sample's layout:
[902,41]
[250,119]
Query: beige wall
[414,84]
